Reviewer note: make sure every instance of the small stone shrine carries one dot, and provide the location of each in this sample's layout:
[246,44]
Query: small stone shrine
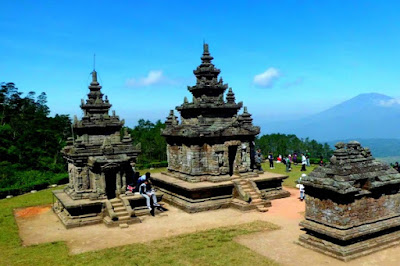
[209,152]
[99,163]
[352,204]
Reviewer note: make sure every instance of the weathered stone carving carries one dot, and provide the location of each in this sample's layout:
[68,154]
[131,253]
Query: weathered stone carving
[207,123]
[98,159]
[352,204]
[211,143]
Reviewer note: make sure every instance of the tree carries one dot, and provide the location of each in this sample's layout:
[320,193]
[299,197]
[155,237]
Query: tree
[152,143]
[288,144]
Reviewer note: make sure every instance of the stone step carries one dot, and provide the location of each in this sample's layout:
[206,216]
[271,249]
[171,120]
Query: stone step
[247,190]
[256,201]
[107,220]
[124,218]
[117,204]
[115,200]
[118,209]
[262,208]
[253,193]
[122,213]
[123,225]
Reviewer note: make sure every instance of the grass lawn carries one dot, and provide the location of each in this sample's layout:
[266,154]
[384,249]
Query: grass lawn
[152,170]
[280,168]
[211,247]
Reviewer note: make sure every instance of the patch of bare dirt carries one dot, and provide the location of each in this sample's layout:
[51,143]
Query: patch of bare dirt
[31,211]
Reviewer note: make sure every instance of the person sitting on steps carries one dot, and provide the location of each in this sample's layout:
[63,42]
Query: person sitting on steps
[147,192]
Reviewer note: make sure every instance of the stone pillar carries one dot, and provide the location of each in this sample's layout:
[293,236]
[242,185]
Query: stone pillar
[76,179]
[194,162]
[102,183]
[118,183]
[93,181]
[123,188]
[71,175]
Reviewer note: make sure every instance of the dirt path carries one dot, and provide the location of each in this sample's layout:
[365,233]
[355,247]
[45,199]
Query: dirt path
[41,225]
[45,227]
[280,245]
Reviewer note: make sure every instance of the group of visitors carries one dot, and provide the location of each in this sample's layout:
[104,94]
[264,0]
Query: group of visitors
[142,184]
[286,160]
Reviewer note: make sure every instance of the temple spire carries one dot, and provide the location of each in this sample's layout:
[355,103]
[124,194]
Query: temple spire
[94,77]
[206,58]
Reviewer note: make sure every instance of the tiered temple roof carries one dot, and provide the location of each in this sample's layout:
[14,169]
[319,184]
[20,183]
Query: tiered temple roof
[208,114]
[98,132]
[352,170]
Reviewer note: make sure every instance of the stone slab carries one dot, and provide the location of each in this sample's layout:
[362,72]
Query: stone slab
[353,251]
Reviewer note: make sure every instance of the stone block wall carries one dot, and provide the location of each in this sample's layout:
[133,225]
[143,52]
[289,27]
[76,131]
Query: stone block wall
[207,159]
[360,211]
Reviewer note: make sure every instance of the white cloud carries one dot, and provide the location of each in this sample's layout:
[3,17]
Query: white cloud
[267,78]
[154,77]
[389,103]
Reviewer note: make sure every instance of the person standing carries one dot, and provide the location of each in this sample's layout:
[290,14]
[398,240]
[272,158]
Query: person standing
[303,162]
[271,160]
[308,158]
[295,158]
[301,187]
[321,161]
[258,161]
[288,164]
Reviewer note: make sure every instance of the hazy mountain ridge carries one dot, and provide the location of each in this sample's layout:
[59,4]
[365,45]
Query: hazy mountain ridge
[366,116]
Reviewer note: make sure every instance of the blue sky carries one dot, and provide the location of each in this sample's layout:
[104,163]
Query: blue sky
[283,59]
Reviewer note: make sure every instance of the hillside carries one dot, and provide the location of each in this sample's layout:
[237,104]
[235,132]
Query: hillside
[366,116]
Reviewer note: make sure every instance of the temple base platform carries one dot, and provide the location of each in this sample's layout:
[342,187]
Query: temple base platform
[245,192]
[120,211]
[351,243]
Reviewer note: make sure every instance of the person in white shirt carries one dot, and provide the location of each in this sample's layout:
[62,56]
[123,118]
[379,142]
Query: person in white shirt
[147,192]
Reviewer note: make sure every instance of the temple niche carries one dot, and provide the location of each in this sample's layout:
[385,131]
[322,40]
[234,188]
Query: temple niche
[352,204]
[99,160]
[210,150]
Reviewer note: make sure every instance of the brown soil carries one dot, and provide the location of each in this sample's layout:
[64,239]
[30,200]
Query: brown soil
[278,245]
[31,211]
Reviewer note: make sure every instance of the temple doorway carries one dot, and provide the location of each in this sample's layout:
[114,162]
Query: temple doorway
[111,186]
[231,157]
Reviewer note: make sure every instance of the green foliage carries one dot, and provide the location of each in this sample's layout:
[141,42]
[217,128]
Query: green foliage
[154,147]
[281,144]
[28,136]
[15,182]
[30,142]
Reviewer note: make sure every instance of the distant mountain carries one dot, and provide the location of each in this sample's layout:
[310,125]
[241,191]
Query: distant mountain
[366,116]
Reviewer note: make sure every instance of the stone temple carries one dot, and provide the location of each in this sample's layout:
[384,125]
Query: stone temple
[99,164]
[210,162]
[352,205]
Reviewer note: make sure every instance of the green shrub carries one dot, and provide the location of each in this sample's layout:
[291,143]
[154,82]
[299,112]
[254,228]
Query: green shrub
[16,182]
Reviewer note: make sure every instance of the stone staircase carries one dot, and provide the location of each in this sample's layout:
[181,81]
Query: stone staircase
[119,213]
[249,192]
